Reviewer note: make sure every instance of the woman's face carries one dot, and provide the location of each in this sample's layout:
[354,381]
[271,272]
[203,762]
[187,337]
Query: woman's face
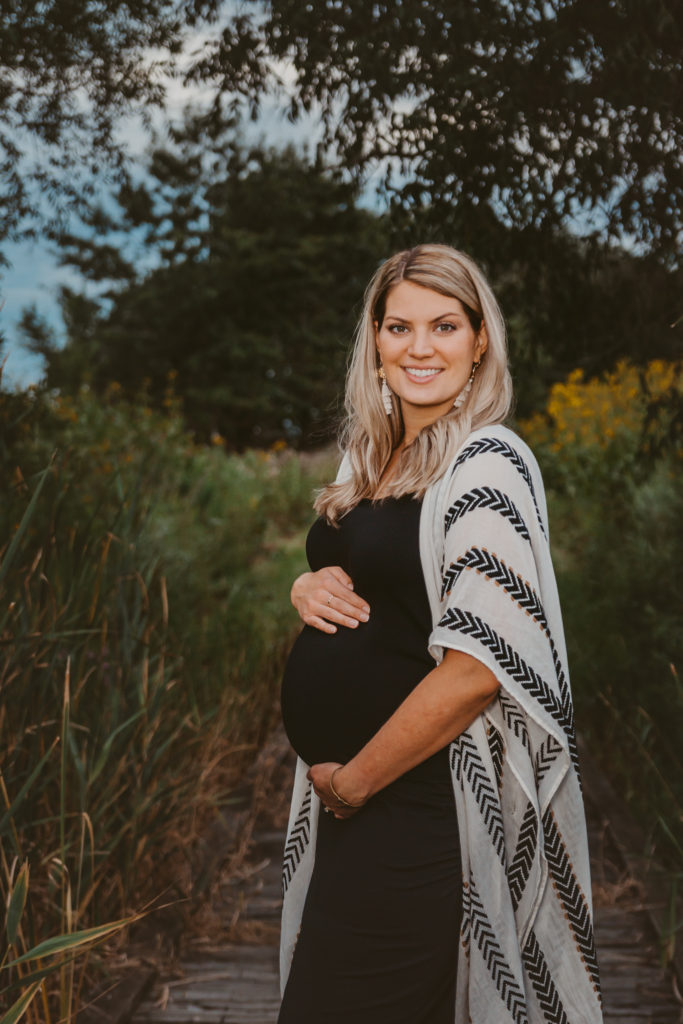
[427,346]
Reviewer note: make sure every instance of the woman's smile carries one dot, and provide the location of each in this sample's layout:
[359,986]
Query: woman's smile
[421,375]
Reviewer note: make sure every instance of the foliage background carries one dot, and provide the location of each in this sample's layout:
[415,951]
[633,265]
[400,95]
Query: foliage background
[144,625]
[610,450]
[158,482]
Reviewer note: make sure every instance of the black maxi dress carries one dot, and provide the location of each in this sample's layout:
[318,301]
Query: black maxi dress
[379,936]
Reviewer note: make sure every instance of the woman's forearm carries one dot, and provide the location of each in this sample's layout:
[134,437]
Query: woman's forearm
[440,707]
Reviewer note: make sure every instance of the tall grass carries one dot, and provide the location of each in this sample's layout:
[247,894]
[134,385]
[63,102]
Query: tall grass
[144,616]
[612,461]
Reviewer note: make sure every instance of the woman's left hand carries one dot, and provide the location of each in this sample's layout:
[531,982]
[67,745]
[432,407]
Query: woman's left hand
[320,775]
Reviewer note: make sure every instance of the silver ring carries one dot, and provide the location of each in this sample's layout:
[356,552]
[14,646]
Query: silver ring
[328,810]
[329,600]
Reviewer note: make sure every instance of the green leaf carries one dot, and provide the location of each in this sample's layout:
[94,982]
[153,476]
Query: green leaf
[14,806]
[104,753]
[23,526]
[17,1011]
[61,943]
[16,904]
[32,976]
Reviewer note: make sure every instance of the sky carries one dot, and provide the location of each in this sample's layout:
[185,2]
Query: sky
[34,275]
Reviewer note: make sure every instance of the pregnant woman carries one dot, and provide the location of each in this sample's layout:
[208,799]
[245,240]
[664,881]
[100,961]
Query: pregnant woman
[435,867]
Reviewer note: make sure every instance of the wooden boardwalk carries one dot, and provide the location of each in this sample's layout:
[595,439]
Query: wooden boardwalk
[231,983]
[236,982]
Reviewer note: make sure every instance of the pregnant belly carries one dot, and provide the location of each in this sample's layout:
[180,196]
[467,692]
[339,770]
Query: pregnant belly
[338,689]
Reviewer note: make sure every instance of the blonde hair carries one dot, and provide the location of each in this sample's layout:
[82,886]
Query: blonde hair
[368,435]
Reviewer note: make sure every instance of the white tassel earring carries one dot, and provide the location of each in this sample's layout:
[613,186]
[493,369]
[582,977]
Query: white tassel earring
[462,397]
[386,393]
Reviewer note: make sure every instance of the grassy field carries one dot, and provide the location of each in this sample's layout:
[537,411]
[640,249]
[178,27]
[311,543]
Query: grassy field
[145,618]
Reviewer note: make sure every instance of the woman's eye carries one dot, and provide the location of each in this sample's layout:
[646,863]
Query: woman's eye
[397,328]
[449,328]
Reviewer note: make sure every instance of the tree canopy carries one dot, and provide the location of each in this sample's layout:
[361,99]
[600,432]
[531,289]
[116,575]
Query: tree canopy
[68,72]
[259,263]
[498,124]
[543,111]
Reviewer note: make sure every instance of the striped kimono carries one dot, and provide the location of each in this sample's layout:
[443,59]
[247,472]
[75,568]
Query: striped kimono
[527,953]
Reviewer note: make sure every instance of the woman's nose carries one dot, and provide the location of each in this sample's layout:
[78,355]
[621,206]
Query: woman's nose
[421,343]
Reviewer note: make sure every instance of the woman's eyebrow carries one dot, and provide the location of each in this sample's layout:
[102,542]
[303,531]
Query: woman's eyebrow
[392,316]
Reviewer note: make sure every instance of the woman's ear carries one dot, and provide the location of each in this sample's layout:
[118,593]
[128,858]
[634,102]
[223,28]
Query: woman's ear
[482,340]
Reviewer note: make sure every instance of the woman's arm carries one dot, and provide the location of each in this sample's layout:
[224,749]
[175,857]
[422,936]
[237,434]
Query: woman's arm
[440,707]
[327,597]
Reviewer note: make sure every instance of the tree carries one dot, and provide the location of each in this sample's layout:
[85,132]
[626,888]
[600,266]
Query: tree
[69,71]
[212,233]
[259,262]
[541,112]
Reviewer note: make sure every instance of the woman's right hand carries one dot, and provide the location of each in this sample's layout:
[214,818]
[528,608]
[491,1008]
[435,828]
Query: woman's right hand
[326,597]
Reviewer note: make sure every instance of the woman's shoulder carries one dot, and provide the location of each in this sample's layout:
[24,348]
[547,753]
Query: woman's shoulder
[495,456]
[495,439]
[493,467]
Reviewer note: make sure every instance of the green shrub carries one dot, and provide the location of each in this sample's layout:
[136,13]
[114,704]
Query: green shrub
[615,496]
[144,621]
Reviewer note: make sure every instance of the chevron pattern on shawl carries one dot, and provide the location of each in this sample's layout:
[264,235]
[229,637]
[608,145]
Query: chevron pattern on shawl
[483,934]
[297,840]
[494,568]
[466,920]
[527,844]
[491,565]
[510,660]
[546,993]
[486,445]
[573,900]
[487,497]
[515,719]
[546,756]
[466,762]
[497,750]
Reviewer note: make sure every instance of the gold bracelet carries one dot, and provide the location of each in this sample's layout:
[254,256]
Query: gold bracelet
[335,794]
